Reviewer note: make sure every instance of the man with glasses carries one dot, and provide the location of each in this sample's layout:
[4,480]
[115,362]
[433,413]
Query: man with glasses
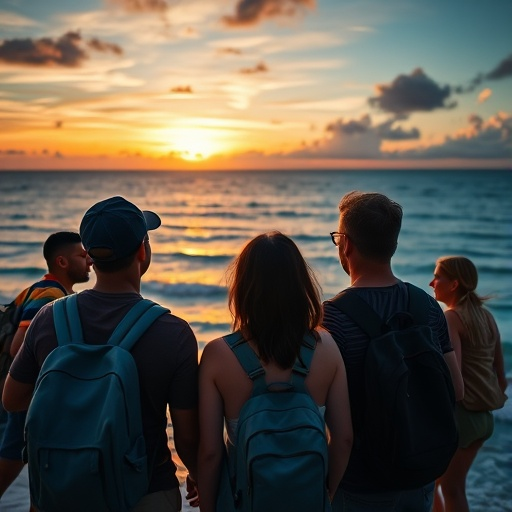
[367,237]
[114,233]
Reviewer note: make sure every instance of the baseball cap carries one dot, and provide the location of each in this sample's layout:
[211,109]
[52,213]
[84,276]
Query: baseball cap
[114,228]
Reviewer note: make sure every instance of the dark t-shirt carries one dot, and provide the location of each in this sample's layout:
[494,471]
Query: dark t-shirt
[166,358]
[353,343]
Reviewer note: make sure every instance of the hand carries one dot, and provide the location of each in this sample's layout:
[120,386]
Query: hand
[192,495]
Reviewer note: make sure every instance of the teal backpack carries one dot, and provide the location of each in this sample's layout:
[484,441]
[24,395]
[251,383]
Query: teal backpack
[280,460]
[84,442]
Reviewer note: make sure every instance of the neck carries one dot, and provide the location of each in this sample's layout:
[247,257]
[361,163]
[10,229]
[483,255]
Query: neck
[116,282]
[376,275]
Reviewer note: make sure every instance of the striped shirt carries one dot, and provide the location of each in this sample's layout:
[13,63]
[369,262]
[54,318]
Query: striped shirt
[352,342]
[33,298]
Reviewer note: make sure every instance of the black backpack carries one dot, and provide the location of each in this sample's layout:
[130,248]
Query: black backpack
[10,316]
[409,432]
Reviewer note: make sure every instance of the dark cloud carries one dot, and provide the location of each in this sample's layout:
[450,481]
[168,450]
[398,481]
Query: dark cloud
[490,140]
[58,124]
[411,93]
[12,152]
[182,89]
[351,127]
[142,5]
[357,139]
[259,68]
[102,46]
[66,50]
[387,132]
[229,51]
[251,12]
[476,121]
[502,70]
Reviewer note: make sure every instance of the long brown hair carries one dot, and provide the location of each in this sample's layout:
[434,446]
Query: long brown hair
[274,297]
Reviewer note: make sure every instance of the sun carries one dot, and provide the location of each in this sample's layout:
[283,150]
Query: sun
[192,144]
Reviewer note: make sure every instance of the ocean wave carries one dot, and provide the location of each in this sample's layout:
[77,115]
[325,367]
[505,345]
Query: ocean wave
[184,290]
[25,271]
[205,327]
[180,256]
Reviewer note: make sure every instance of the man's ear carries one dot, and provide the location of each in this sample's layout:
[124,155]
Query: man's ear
[141,252]
[61,261]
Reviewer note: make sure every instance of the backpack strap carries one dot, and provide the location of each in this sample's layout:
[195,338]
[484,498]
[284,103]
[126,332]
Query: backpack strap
[368,320]
[67,321]
[252,366]
[419,304]
[69,328]
[350,303]
[135,323]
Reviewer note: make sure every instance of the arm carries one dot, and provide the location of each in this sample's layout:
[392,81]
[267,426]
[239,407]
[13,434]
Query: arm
[16,395]
[211,421]
[186,440]
[454,359]
[338,418]
[17,340]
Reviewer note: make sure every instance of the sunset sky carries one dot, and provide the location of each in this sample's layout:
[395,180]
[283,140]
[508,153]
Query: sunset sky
[255,84]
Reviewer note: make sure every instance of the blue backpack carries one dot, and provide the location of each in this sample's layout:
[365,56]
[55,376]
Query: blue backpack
[280,460]
[84,442]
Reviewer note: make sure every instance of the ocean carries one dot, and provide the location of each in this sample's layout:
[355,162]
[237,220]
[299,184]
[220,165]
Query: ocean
[207,217]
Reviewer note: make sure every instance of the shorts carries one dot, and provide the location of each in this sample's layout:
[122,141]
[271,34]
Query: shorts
[13,440]
[473,425]
[160,501]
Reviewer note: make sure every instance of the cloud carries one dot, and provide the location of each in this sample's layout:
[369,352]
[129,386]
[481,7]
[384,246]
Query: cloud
[361,139]
[484,95]
[411,93]
[67,50]
[491,139]
[229,51]
[502,70]
[142,5]
[12,152]
[182,89]
[355,139]
[102,46]
[10,19]
[259,68]
[251,12]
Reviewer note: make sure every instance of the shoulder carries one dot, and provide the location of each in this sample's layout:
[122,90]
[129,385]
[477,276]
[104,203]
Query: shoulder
[215,350]
[327,349]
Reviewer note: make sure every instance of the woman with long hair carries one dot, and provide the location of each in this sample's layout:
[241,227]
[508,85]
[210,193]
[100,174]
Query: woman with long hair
[274,299]
[477,345]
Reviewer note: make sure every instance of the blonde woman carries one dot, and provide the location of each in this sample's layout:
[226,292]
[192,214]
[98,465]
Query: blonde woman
[476,341]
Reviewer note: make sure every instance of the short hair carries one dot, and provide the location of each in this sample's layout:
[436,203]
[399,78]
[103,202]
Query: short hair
[109,267]
[372,222]
[56,242]
[274,297]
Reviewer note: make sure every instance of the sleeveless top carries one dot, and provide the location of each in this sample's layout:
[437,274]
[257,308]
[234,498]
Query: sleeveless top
[481,389]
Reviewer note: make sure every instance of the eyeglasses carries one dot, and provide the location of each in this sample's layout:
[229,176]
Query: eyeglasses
[336,237]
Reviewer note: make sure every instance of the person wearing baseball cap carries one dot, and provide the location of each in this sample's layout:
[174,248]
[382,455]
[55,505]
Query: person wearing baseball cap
[114,233]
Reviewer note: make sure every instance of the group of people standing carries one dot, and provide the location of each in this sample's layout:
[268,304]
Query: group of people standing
[274,298]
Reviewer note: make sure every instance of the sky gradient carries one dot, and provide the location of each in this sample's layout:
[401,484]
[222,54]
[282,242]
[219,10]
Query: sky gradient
[255,84]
